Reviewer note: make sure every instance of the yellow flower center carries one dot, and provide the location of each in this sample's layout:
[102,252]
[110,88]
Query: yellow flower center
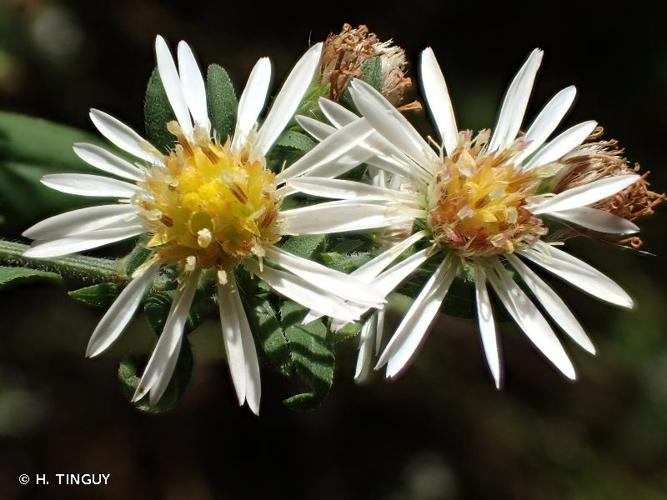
[477,200]
[210,203]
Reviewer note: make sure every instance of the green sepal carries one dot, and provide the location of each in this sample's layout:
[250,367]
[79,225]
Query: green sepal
[157,113]
[100,295]
[371,73]
[222,102]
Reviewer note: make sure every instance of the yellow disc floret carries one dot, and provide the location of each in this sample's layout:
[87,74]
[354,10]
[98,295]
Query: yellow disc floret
[477,200]
[210,202]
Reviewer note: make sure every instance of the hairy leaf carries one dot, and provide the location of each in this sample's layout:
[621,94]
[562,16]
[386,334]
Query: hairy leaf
[100,295]
[222,102]
[157,113]
[13,276]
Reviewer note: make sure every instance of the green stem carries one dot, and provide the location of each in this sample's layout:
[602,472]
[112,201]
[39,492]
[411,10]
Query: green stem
[75,267]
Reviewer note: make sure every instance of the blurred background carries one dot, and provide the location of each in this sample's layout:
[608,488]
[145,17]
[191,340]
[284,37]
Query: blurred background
[441,431]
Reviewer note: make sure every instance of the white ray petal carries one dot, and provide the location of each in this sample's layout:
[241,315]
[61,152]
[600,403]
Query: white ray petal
[81,242]
[562,144]
[547,121]
[330,149]
[586,194]
[303,292]
[553,304]
[338,115]
[515,102]
[194,88]
[317,129]
[161,365]
[579,274]
[329,280]
[171,82]
[81,221]
[597,220]
[379,330]
[340,189]
[343,216]
[529,319]
[124,137]
[252,101]
[439,102]
[90,185]
[391,124]
[411,332]
[239,346]
[119,315]
[366,344]
[371,269]
[487,325]
[107,162]
[288,99]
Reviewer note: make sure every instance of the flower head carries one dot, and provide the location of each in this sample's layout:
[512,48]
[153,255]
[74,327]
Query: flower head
[209,203]
[484,204]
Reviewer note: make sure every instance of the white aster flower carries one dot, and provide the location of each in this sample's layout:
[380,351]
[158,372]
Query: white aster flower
[207,204]
[479,202]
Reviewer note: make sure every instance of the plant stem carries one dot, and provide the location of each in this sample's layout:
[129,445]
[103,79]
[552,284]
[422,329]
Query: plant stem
[75,267]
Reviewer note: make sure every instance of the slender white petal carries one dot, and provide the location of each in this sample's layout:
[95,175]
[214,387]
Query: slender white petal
[107,162]
[288,99]
[161,365]
[123,136]
[515,102]
[340,189]
[239,346]
[81,242]
[80,221]
[371,269]
[389,122]
[194,88]
[319,130]
[90,185]
[331,148]
[528,317]
[366,345]
[547,121]
[553,304]
[343,216]
[379,330]
[487,326]
[337,114]
[586,194]
[562,144]
[597,220]
[579,274]
[411,332]
[252,101]
[118,316]
[329,280]
[172,85]
[439,102]
[305,293]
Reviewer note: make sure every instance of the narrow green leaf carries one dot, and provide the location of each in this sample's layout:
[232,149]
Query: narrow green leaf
[345,262]
[128,376]
[295,140]
[270,336]
[157,113]
[100,295]
[13,276]
[306,246]
[222,102]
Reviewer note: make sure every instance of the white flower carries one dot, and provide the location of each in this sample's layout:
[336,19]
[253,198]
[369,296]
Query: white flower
[479,202]
[206,205]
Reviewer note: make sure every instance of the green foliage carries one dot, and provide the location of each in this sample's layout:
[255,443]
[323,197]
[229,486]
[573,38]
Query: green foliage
[222,103]
[12,276]
[30,148]
[128,376]
[292,139]
[345,262]
[157,113]
[306,246]
[99,295]
[312,356]
[371,73]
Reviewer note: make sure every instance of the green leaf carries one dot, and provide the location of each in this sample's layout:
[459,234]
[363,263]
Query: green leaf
[222,102]
[129,379]
[100,295]
[345,262]
[371,73]
[13,276]
[137,256]
[306,246]
[270,336]
[295,140]
[24,139]
[312,356]
[157,113]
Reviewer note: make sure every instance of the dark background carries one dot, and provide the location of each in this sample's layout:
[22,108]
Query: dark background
[440,432]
